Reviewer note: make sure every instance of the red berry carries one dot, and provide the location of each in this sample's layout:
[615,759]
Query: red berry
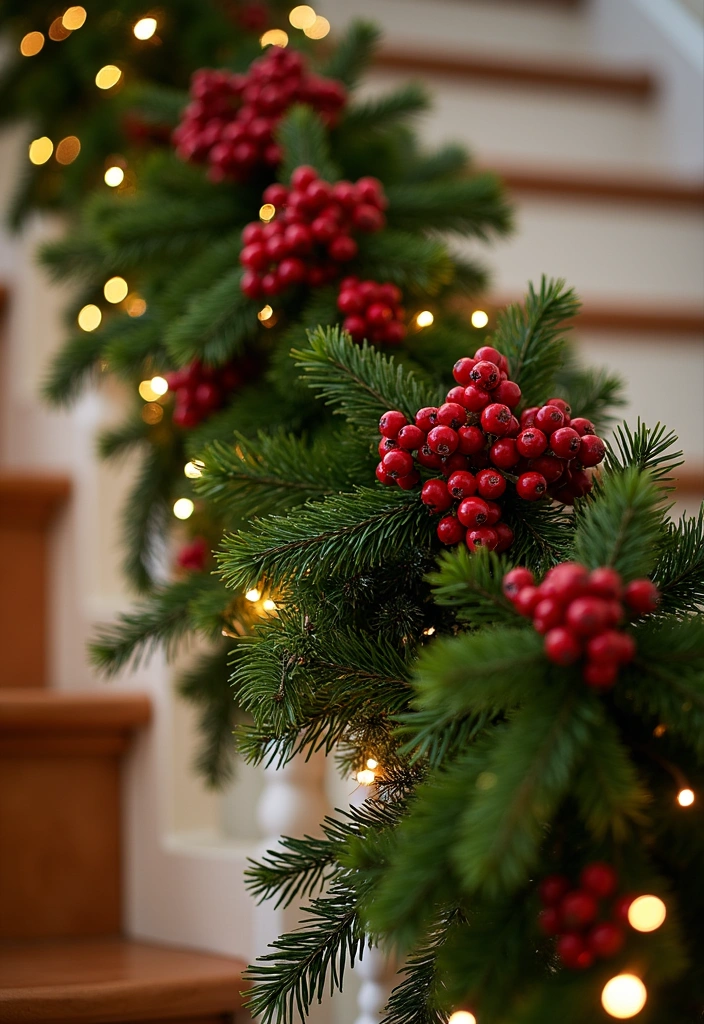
[587,616]
[348,301]
[436,495]
[601,675]
[276,195]
[528,417]
[578,908]
[303,176]
[462,485]
[252,233]
[565,443]
[531,442]
[514,581]
[356,327]
[378,314]
[496,419]
[547,614]
[553,888]
[298,239]
[391,422]
[427,418]
[641,596]
[503,453]
[483,537]
[621,907]
[591,450]
[254,256]
[473,513]
[475,399]
[428,458]
[491,483]
[606,939]
[526,600]
[605,582]
[582,426]
[562,405]
[472,440]
[251,284]
[549,467]
[456,395]
[485,375]
[531,486]
[515,428]
[270,284]
[406,483]
[495,511]
[451,414]
[599,878]
[561,646]
[505,535]
[368,218]
[488,352]
[549,921]
[573,951]
[398,462]
[566,581]
[462,369]
[291,271]
[450,530]
[383,477]
[456,463]
[549,419]
[385,445]
[509,393]
[410,437]
[443,440]
[342,248]
[611,646]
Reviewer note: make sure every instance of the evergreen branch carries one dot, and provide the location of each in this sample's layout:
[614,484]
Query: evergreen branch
[216,326]
[542,533]
[342,533]
[73,368]
[593,393]
[304,139]
[621,525]
[207,687]
[80,254]
[445,162]
[412,261]
[415,999]
[471,583]
[118,440]
[362,381]
[196,276]
[157,104]
[438,737]
[390,109]
[147,515]
[475,206]
[352,54]
[134,345]
[645,448]
[530,338]
[679,573]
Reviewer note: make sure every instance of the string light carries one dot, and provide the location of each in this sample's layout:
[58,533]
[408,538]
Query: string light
[624,996]
[145,28]
[425,318]
[135,305]
[152,413]
[193,470]
[685,798]
[253,595]
[89,318]
[319,29]
[429,631]
[114,176]
[115,290]
[267,212]
[269,605]
[152,389]
[479,318]
[40,150]
[302,16]
[274,37]
[74,18]
[108,76]
[58,31]
[183,507]
[646,913]
[366,777]
[68,149]
[462,1017]
[31,44]
[265,314]
[371,763]
[159,385]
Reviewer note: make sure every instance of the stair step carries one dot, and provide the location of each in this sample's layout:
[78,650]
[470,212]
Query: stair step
[629,319]
[111,980]
[60,791]
[646,189]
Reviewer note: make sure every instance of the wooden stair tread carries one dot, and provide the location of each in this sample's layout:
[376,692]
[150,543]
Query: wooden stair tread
[39,711]
[31,500]
[629,317]
[622,83]
[112,979]
[650,189]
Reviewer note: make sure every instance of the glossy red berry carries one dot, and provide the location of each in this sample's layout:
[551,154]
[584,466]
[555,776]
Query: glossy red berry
[601,675]
[565,443]
[526,600]
[582,426]
[548,466]
[383,477]
[509,393]
[549,419]
[547,614]
[514,581]
[561,646]
[573,952]
[473,513]
[490,483]
[397,462]
[496,419]
[409,481]
[605,582]
[343,248]
[505,535]
[606,939]
[461,485]
[587,616]
[303,176]
[531,443]
[410,437]
[550,921]
[528,417]
[456,395]
[427,458]
[391,422]
[472,440]
[503,453]
[385,445]
[452,414]
[591,450]
[483,537]
[562,405]
[443,440]
[488,352]
[485,375]
[641,596]
[462,369]
[450,530]
[531,486]
[436,495]
[475,399]
[427,418]
[566,581]
[456,463]
[578,908]
[611,646]
[494,512]
[552,889]
[599,878]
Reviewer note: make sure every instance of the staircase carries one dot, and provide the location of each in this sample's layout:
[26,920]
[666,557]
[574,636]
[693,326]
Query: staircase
[62,959]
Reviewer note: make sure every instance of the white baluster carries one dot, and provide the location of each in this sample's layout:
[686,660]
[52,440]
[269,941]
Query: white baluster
[374,991]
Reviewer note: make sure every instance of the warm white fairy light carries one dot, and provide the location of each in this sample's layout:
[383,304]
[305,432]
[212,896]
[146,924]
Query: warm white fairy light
[108,76]
[74,18]
[253,595]
[114,176]
[193,470]
[646,913]
[31,44]
[115,289]
[145,28]
[429,631]
[462,1017]
[274,37]
[372,763]
[685,798]
[319,29]
[183,508]
[89,317]
[624,996]
[68,149]
[160,385]
[265,313]
[135,305]
[269,605]
[479,318]
[267,212]
[302,16]
[366,777]
[40,150]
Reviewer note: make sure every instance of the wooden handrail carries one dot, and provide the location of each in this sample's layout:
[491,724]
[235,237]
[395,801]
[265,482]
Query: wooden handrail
[31,500]
[31,711]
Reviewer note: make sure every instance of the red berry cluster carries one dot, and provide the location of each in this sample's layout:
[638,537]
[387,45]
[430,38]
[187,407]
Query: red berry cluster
[192,556]
[201,390]
[577,612]
[372,311]
[479,445]
[588,921]
[310,236]
[230,121]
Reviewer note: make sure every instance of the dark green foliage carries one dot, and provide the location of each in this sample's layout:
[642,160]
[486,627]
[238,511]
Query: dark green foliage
[679,572]
[303,137]
[201,685]
[216,325]
[475,205]
[353,54]
[380,111]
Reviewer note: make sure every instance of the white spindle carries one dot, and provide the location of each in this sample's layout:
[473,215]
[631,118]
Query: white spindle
[374,990]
